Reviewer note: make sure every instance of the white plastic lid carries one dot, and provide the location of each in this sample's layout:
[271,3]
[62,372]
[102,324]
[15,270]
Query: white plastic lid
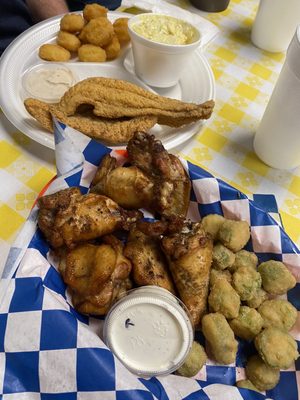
[149,331]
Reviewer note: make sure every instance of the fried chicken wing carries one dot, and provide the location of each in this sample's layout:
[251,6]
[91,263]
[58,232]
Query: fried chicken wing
[96,275]
[190,256]
[148,261]
[129,187]
[172,184]
[85,217]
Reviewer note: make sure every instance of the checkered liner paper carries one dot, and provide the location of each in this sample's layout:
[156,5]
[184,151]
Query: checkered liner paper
[49,351]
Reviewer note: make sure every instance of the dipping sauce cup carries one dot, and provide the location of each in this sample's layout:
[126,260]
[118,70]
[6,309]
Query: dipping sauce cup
[162,47]
[149,331]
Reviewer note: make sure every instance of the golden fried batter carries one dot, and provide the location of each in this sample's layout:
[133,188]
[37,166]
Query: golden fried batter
[98,31]
[148,261]
[115,98]
[96,275]
[68,41]
[113,48]
[54,52]
[114,131]
[91,11]
[72,23]
[91,53]
[121,30]
[190,256]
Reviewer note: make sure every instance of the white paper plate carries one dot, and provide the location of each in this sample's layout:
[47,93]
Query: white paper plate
[196,85]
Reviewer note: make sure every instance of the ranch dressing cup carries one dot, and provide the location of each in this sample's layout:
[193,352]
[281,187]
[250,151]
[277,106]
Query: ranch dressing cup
[149,331]
[162,47]
[277,140]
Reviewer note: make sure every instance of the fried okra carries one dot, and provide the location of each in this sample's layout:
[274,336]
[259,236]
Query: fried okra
[222,257]
[215,275]
[259,297]
[220,338]
[276,348]
[246,281]
[244,258]
[265,377]
[248,323]
[224,299]
[234,234]
[278,313]
[211,224]
[194,361]
[246,384]
[276,278]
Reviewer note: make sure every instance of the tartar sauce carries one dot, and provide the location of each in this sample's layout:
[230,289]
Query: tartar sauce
[165,29]
[48,83]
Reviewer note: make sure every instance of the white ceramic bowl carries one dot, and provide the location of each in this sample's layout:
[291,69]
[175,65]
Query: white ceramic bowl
[160,64]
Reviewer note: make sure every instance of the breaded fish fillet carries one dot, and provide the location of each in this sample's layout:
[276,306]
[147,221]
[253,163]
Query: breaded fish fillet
[113,131]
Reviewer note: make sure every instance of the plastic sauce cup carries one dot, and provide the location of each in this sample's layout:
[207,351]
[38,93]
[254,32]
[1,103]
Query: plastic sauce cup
[149,331]
[160,64]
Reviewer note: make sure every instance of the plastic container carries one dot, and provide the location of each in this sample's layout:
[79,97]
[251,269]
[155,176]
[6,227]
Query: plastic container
[47,81]
[277,140]
[210,5]
[275,24]
[149,331]
[160,64]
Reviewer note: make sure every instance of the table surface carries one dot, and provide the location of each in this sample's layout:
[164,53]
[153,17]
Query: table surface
[245,77]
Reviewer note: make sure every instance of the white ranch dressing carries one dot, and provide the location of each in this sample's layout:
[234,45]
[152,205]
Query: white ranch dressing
[149,332]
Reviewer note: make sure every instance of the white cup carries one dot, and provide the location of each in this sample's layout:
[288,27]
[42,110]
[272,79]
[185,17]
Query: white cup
[160,64]
[277,140]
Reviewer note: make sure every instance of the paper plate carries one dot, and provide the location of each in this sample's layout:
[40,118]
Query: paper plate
[196,85]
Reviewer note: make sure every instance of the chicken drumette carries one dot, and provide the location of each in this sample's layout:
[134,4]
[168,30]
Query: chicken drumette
[96,275]
[155,180]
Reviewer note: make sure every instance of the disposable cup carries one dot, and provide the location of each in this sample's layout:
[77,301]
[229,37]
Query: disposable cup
[160,64]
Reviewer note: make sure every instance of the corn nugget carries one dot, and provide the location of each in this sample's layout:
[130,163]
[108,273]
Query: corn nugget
[92,11]
[91,53]
[121,30]
[68,41]
[54,52]
[72,23]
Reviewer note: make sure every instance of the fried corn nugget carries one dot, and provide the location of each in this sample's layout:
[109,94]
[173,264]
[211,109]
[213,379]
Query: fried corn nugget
[211,223]
[276,278]
[94,10]
[72,23]
[246,281]
[277,348]
[222,257]
[248,323]
[112,50]
[121,30]
[68,41]
[91,53]
[224,299]
[278,313]
[265,377]
[98,31]
[54,52]
[220,337]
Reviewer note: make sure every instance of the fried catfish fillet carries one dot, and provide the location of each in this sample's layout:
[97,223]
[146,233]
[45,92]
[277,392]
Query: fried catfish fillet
[113,131]
[96,275]
[190,256]
[130,186]
[172,186]
[80,217]
[149,264]
[115,98]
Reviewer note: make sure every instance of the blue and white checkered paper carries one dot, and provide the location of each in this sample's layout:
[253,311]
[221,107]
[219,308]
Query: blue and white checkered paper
[49,351]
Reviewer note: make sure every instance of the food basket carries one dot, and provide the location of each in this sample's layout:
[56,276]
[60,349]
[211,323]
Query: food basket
[50,351]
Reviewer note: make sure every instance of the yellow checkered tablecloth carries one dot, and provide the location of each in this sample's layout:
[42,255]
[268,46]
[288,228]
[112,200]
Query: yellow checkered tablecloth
[245,77]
